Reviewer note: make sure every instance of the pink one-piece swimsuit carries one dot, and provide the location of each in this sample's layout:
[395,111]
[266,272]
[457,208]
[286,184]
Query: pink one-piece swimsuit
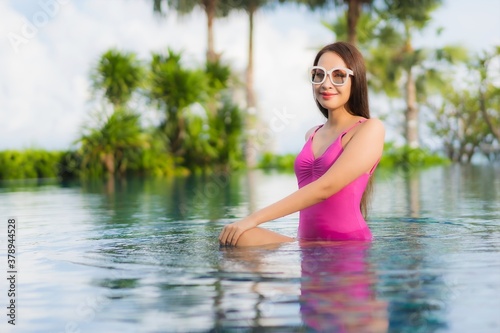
[339,217]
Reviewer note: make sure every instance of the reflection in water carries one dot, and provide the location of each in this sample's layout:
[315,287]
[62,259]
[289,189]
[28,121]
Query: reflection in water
[250,184]
[412,182]
[142,255]
[258,288]
[411,274]
[197,197]
[338,289]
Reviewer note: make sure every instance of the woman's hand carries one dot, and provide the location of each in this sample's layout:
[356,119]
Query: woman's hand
[231,232]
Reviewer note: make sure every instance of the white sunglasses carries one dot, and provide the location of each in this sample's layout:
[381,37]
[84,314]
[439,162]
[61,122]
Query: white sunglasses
[338,76]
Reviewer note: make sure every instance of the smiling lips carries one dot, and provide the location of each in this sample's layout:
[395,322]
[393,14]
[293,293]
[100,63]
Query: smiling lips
[327,95]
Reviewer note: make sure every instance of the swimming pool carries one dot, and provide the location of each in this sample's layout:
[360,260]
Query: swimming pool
[142,256]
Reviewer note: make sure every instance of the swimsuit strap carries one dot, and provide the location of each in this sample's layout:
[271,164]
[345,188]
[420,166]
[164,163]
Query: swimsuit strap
[350,128]
[373,167]
[314,133]
[341,134]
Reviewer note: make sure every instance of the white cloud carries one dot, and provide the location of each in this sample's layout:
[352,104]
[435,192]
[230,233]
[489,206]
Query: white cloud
[44,87]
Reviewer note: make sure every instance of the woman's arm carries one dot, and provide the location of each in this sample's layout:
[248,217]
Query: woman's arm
[359,156]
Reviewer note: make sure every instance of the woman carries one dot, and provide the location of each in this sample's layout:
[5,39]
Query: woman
[335,165]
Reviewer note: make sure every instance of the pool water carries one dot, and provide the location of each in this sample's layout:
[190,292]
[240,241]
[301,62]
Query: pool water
[141,255]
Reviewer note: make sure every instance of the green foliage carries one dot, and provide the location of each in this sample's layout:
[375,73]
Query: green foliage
[199,153]
[409,158]
[200,128]
[251,6]
[466,110]
[367,28]
[488,88]
[393,157]
[225,133]
[386,40]
[415,13]
[213,141]
[183,7]
[30,163]
[69,165]
[118,75]
[156,160]
[174,89]
[271,161]
[394,66]
[200,138]
[325,4]
[218,76]
[152,160]
[112,146]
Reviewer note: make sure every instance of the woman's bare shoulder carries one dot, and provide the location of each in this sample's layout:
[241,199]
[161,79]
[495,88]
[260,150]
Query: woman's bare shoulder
[311,131]
[369,131]
[373,124]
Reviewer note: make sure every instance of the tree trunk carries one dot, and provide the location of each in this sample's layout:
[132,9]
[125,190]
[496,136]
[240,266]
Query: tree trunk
[251,144]
[353,13]
[411,115]
[109,162]
[210,6]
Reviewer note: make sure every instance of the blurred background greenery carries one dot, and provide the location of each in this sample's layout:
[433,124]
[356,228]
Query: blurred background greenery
[203,126]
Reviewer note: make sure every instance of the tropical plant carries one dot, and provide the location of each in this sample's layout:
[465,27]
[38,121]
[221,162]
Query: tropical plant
[156,160]
[29,163]
[352,8]
[458,123]
[409,158]
[220,79]
[270,161]
[113,145]
[394,66]
[174,89]
[225,135]
[117,75]
[489,88]
[466,110]
[111,141]
[212,9]
[401,62]
[251,7]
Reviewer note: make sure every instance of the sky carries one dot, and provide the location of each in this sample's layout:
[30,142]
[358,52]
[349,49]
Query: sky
[48,47]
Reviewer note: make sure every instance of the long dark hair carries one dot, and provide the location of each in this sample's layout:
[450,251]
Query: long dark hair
[357,105]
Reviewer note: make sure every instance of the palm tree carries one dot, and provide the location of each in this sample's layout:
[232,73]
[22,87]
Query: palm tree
[352,13]
[114,142]
[118,75]
[112,146]
[395,67]
[407,18]
[391,58]
[174,89]
[212,9]
[251,7]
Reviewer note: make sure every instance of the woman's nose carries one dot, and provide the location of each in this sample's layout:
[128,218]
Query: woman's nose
[327,84]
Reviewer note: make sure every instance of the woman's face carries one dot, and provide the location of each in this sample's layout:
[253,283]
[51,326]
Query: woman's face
[330,96]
